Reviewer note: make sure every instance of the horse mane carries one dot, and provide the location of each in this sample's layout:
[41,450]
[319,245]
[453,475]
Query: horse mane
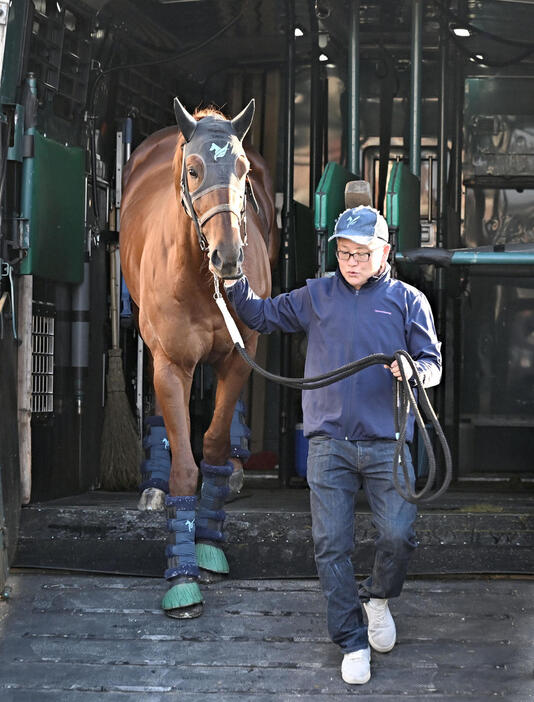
[210,111]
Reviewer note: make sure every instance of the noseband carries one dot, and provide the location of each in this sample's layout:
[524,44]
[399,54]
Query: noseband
[218,149]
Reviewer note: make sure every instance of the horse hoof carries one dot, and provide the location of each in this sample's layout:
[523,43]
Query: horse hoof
[194,610]
[183,600]
[235,482]
[209,577]
[151,499]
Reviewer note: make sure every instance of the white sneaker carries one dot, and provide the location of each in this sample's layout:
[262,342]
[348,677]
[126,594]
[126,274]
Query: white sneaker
[381,630]
[356,667]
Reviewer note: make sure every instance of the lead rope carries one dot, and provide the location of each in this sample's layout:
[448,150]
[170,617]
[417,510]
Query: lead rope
[403,400]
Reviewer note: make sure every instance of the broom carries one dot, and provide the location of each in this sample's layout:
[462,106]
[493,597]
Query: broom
[120,455]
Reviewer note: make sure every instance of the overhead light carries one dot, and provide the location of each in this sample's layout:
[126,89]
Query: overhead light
[323,58]
[460,31]
[299,32]
[479,57]
[58,7]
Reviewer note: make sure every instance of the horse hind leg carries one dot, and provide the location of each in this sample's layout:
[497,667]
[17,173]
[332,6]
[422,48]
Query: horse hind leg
[156,468]
[239,451]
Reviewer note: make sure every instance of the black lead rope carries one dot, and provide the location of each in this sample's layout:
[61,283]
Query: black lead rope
[403,400]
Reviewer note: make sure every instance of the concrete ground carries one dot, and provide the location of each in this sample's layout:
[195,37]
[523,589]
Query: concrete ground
[84,638]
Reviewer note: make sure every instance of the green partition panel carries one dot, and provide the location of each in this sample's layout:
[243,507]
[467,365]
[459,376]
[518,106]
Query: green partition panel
[55,197]
[305,244]
[329,203]
[403,206]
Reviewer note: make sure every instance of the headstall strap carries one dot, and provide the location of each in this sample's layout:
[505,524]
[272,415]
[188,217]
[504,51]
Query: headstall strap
[187,203]
[188,207]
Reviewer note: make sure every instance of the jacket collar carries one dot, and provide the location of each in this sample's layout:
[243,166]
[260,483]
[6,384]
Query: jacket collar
[373,281]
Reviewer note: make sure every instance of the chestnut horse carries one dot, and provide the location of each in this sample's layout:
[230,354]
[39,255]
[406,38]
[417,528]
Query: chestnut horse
[186,217]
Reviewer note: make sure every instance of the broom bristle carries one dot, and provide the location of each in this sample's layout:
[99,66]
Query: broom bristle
[120,455]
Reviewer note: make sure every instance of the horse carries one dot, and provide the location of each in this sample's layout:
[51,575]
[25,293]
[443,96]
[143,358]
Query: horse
[196,204]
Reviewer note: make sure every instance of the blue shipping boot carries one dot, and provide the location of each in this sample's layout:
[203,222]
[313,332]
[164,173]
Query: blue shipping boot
[156,468]
[183,600]
[210,519]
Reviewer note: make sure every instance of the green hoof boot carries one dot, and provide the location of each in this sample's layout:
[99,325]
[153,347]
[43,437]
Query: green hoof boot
[211,558]
[183,601]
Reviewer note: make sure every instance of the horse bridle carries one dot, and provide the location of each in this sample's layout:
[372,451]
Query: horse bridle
[207,187]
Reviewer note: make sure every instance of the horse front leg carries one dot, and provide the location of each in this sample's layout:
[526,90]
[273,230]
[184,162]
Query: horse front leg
[172,385]
[217,469]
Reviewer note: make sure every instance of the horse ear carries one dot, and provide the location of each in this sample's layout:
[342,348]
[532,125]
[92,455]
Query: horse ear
[241,123]
[184,120]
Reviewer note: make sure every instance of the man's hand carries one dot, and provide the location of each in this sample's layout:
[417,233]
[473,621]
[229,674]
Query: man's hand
[394,368]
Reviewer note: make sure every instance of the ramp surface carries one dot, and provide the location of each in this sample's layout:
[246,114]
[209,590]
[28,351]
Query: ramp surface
[67,638]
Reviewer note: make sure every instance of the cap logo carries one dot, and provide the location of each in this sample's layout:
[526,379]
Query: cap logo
[351,220]
[220,151]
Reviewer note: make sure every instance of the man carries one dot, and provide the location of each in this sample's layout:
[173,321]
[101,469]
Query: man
[359,311]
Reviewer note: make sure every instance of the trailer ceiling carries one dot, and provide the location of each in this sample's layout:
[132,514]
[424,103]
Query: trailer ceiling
[235,34]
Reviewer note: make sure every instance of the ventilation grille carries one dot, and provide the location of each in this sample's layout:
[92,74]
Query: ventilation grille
[42,363]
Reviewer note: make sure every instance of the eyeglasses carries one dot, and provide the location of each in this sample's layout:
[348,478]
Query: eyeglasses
[360,256]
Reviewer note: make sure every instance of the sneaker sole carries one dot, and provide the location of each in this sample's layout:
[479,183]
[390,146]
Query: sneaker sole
[356,682]
[380,649]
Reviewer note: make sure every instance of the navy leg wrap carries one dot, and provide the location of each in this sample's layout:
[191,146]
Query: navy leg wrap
[239,433]
[210,514]
[156,468]
[180,550]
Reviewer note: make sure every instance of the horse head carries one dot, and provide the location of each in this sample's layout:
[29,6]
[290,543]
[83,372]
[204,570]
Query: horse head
[213,178]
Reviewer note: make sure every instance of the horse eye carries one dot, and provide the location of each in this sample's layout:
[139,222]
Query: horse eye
[192,172]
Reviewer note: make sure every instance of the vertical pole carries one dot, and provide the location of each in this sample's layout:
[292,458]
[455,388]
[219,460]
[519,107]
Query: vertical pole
[24,390]
[315,106]
[415,96]
[442,238]
[324,112]
[456,243]
[25,298]
[128,139]
[4,13]
[80,330]
[458,147]
[443,132]
[353,86]
[286,430]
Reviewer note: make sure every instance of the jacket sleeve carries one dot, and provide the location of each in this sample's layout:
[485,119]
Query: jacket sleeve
[289,312]
[423,344]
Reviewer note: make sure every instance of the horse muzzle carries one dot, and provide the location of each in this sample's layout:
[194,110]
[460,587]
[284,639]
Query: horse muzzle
[227,265]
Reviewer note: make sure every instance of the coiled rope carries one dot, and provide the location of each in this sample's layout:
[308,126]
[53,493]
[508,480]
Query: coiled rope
[403,400]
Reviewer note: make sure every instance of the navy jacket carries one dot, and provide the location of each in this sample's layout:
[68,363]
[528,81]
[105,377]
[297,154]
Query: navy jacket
[343,325]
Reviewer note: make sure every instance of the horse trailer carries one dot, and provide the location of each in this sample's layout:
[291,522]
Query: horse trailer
[425,107]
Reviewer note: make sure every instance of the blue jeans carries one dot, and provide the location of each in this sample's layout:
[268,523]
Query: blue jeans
[336,471]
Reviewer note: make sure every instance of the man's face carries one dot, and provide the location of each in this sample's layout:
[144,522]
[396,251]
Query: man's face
[356,271]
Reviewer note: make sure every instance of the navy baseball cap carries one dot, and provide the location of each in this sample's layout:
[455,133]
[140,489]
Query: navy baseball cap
[362,225]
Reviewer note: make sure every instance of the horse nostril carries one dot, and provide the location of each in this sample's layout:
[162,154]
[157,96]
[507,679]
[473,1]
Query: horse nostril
[241,256]
[216,259]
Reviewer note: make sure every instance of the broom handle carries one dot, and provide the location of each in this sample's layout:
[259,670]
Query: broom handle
[115,265]
[113,306]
